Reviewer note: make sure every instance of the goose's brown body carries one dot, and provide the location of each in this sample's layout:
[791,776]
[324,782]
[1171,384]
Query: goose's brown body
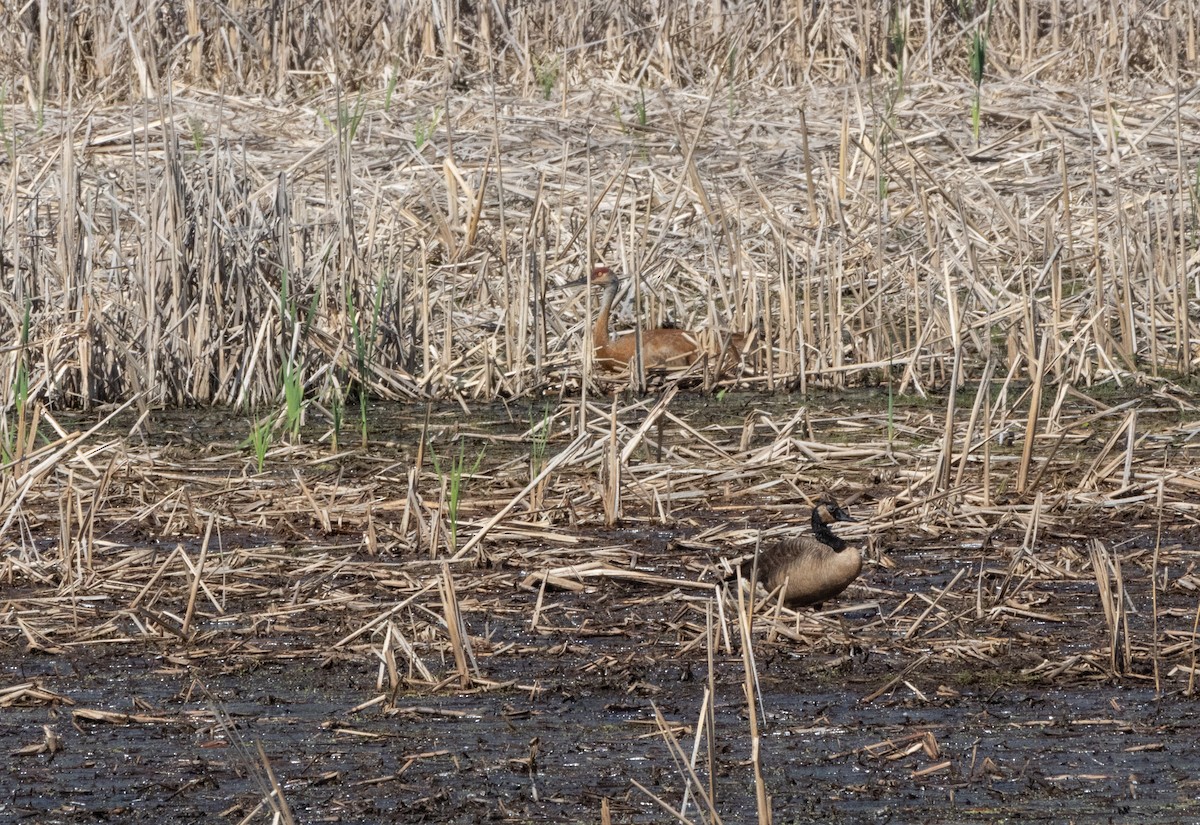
[810,569]
[662,348]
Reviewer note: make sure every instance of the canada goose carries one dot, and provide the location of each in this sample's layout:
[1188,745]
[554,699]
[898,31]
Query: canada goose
[663,348]
[812,568]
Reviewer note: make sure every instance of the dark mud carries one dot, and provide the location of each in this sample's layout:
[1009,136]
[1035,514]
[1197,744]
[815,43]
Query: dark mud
[977,710]
[1095,755]
[979,741]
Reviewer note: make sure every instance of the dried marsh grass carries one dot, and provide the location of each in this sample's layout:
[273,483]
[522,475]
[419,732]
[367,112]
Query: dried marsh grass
[169,544]
[186,552]
[391,217]
[296,214]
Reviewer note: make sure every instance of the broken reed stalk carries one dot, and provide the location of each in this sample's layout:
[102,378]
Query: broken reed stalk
[685,766]
[459,640]
[662,803]
[1031,530]
[70,572]
[537,606]
[895,680]
[702,733]
[1154,640]
[415,661]
[920,620]
[654,417]
[277,799]
[638,374]
[197,577]
[710,645]
[386,615]
[980,394]
[1124,605]
[946,456]
[750,686]
[987,445]
[611,476]
[259,769]
[1094,472]
[952,312]
[1105,566]
[1130,442]
[57,451]
[387,663]
[1194,645]
[1035,403]
[154,579]
[551,466]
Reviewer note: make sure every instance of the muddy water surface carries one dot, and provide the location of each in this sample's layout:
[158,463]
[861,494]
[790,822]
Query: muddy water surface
[955,683]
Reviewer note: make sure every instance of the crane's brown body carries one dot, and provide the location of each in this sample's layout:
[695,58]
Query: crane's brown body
[662,349]
[809,569]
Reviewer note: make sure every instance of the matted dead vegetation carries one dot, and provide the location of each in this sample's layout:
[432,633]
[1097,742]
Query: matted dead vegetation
[188,241]
[304,215]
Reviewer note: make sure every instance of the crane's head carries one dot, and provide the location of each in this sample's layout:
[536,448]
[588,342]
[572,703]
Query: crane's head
[601,276]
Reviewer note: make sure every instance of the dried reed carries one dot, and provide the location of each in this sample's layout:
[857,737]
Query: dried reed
[389,226]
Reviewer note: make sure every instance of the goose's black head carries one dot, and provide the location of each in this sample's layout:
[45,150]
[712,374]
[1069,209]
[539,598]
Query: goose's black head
[825,512]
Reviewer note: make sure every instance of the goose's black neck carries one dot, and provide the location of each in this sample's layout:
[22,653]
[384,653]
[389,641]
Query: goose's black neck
[823,534]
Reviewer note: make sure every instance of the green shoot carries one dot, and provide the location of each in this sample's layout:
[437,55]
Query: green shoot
[640,107]
[364,338]
[260,440]
[10,447]
[364,347]
[293,394]
[356,332]
[196,126]
[897,38]
[457,471]
[392,80]
[978,63]
[21,384]
[351,120]
[337,411]
[362,357]
[546,74]
[377,307]
[424,128]
[362,413]
[292,380]
[347,120]
[313,303]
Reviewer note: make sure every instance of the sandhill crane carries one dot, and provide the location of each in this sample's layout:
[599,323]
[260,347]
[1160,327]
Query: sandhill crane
[662,348]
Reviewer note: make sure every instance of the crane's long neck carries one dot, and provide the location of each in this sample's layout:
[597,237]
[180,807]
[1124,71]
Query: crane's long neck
[823,534]
[600,328]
